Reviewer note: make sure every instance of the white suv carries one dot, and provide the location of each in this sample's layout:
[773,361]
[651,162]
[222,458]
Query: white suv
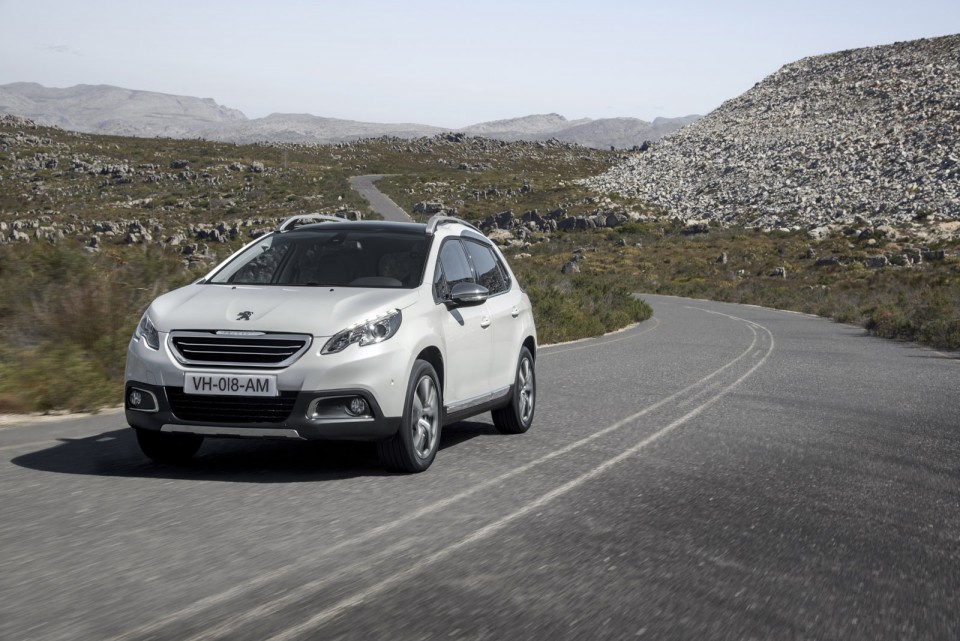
[330,329]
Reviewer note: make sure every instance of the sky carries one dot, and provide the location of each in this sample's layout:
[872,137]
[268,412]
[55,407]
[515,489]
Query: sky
[448,63]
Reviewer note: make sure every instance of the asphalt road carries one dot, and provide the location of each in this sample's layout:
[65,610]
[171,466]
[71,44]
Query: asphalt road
[717,472]
[378,201]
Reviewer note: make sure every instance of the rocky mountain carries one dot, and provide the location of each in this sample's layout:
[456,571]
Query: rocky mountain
[112,110]
[868,132]
[602,133]
[104,109]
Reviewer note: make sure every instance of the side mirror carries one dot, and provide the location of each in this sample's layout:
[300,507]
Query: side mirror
[467,294]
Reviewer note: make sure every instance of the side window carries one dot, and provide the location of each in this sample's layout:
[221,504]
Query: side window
[453,268]
[490,273]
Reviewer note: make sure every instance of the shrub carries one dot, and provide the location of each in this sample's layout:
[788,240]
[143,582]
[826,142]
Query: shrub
[587,304]
[66,318]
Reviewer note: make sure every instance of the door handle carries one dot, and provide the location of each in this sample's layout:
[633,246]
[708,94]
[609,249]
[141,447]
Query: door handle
[515,312]
[485,322]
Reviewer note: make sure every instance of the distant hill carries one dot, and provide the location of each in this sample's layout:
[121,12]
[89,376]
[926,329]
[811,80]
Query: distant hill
[113,110]
[536,125]
[104,109]
[605,132]
[623,132]
[304,128]
[871,132]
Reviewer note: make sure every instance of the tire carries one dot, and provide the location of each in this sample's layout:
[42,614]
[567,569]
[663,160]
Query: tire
[414,446]
[168,448]
[517,416]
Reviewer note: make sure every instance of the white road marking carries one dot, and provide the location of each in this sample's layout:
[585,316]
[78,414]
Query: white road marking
[18,421]
[703,392]
[52,442]
[32,443]
[595,341]
[237,621]
[394,579]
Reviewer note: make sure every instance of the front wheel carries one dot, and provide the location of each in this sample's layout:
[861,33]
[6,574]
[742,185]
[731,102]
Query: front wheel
[414,446]
[517,416]
[168,448]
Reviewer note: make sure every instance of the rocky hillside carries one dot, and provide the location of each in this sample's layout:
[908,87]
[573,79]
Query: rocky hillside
[868,132]
[190,196]
[103,109]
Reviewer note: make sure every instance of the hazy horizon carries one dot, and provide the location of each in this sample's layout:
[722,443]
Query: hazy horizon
[440,63]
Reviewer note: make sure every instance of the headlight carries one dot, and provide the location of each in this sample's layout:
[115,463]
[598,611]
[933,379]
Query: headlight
[366,333]
[148,332]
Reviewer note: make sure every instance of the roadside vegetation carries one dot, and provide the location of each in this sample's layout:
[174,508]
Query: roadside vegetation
[66,318]
[163,212]
[919,302]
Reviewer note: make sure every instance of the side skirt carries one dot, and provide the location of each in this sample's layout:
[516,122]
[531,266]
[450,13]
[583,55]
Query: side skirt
[465,409]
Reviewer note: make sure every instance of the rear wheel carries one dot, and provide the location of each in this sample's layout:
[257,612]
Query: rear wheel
[517,417]
[168,448]
[414,446]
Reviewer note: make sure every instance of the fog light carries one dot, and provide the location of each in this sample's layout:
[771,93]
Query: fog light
[139,400]
[339,408]
[357,406]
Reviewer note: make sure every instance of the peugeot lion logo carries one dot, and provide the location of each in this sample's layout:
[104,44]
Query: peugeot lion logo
[244,315]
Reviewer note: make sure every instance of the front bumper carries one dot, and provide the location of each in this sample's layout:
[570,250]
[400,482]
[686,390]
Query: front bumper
[376,373]
[285,417]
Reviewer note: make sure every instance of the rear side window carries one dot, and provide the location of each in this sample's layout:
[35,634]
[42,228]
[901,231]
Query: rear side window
[490,272]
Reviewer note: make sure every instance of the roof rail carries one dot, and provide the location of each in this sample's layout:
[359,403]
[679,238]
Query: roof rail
[289,222]
[438,220]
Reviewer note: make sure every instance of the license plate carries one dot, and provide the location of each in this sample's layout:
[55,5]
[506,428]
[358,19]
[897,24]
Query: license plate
[230,384]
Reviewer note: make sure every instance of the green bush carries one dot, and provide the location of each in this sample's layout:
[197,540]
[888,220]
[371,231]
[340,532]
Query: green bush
[587,304]
[57,375]
[66,318]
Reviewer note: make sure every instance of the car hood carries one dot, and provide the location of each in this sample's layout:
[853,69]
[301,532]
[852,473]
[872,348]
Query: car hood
[319,311]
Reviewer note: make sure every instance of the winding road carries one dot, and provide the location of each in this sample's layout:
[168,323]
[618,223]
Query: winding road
[716,472]
[379,201]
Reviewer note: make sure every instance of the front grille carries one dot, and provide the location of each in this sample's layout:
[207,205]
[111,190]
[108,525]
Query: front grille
[224,349]
[231,409]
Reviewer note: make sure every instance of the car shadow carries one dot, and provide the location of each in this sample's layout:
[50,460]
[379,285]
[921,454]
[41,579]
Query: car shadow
[457,433]
[116,453]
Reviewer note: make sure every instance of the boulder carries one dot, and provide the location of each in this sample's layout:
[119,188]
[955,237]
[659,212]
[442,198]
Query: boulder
[505,219]
[570,267]
[831,261]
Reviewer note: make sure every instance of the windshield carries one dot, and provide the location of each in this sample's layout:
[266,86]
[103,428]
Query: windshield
[334,257]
